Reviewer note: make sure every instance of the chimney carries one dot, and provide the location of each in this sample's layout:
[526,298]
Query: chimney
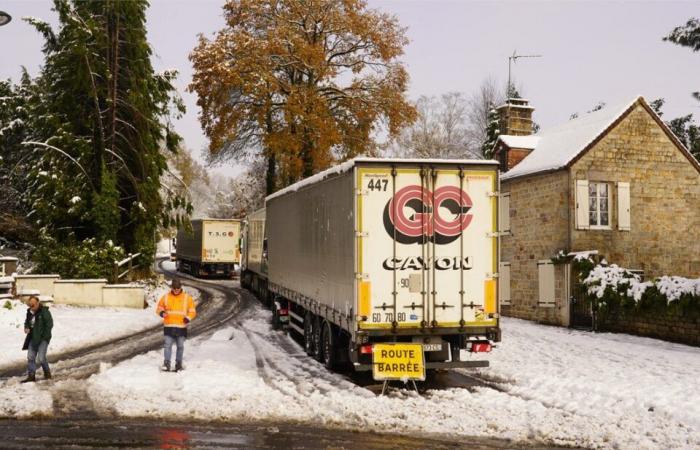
[515,117]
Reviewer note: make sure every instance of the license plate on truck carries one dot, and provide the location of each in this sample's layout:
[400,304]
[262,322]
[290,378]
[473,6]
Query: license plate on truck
[398,362]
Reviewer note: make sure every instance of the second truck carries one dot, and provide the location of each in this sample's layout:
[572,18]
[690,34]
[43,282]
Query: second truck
[212,248]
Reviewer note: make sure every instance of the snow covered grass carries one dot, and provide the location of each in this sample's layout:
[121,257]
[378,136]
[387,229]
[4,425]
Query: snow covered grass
[554,386]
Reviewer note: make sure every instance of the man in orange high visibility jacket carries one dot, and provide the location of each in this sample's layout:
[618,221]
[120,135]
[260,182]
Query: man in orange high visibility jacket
[177,310]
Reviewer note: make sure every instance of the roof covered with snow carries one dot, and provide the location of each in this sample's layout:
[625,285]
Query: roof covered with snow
[349,164]
[529,142]
[558,146]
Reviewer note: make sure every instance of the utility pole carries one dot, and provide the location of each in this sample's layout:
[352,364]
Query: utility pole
[512,59]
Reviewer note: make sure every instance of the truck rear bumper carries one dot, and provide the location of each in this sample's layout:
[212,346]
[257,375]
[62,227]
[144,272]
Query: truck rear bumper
[435,365]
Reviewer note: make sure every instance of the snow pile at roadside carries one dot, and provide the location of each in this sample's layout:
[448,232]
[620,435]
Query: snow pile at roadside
[20,401]
[560,387]
[74,327]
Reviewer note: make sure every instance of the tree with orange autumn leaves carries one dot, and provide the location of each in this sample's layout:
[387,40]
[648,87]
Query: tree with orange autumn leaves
[302,83]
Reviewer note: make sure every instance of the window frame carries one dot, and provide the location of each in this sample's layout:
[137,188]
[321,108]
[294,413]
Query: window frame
[596,226]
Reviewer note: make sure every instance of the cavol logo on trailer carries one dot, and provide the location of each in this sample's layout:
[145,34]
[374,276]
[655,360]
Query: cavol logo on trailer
[415,214]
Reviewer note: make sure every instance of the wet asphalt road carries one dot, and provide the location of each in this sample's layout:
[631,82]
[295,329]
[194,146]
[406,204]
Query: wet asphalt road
[78,434]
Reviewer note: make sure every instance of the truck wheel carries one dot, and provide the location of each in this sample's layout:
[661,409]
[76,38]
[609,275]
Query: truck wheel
[330,358]
[317,344]
[276,325]
[308,334]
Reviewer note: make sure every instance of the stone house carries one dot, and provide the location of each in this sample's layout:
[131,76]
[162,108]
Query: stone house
[616,181]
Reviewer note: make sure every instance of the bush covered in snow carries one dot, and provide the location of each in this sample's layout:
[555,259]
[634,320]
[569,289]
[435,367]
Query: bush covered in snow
[77,259]
[617,290]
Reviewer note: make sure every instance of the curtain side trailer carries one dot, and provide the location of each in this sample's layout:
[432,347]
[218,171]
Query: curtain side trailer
[377,251]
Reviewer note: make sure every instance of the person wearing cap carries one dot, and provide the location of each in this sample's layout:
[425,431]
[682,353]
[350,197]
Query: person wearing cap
[177,310]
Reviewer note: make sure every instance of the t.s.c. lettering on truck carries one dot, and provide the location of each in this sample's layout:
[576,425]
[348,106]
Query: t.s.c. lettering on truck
[382,251]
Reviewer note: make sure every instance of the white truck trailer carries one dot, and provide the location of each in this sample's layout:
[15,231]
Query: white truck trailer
[254,255]
[211,249]
[380,252]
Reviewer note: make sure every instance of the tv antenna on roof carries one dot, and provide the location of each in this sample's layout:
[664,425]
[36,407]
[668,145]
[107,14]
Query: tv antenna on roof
[514,58]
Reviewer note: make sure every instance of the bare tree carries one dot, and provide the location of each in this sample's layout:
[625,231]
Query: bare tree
[488,96]
[439,132]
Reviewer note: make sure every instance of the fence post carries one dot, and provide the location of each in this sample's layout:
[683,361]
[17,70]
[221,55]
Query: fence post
[131,265]
[115,272]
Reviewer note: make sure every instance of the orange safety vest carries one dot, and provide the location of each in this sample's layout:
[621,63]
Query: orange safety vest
[176,308]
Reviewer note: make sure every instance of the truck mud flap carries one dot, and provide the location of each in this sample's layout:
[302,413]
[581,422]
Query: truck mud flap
[435,365]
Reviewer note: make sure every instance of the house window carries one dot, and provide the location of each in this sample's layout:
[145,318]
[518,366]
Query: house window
[598,205]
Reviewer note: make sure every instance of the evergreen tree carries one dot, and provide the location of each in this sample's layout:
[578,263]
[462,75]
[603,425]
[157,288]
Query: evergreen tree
[103,118]
[492,132]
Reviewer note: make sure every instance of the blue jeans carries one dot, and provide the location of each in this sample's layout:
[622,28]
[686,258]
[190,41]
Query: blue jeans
[168,348]
[33,354]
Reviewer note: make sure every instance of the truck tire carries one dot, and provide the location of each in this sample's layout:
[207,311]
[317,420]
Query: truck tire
[330,351]
[276,324]
[318,346]
[309,334]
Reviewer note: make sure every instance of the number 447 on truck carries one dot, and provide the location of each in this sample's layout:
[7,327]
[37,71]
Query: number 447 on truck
[382,264]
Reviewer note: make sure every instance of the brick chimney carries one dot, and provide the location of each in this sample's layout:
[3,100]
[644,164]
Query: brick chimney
[514,119]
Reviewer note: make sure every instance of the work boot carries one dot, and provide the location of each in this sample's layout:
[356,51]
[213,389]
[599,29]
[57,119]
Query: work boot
[47,375]
[178,367]
[166,366]
[31,378]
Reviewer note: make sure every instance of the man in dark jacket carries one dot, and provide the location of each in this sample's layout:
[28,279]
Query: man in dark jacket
[37,327]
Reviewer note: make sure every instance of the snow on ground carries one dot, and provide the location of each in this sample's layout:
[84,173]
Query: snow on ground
[560,387]
[76,327]
[24,400]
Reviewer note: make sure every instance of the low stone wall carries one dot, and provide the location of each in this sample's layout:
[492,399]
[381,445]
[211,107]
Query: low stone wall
[669,328]
[79,292]
[42,283]
[123,296]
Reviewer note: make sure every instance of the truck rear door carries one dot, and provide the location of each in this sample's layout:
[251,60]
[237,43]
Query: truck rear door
[427,246]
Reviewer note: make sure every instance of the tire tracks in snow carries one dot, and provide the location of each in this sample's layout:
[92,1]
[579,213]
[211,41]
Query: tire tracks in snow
[218,306]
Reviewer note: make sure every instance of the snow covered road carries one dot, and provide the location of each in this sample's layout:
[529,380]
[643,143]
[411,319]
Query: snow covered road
[546,386]
[554,387]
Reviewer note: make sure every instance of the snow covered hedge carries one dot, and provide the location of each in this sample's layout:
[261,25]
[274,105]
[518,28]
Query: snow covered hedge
[76,259]
[615,287]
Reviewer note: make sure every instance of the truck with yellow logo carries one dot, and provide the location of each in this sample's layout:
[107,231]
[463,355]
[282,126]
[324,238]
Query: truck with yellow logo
[388,265]
[211,248]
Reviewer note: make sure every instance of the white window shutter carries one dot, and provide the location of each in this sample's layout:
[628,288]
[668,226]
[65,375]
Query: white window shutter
[545,271]
[582,219]
[504,213]
[623,206]
[504,283]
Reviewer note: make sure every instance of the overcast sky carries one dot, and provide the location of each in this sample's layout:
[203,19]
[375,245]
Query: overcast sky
[592,51]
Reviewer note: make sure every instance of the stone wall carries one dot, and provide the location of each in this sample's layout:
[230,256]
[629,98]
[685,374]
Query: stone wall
[664,199]
[666,327]
[539,222]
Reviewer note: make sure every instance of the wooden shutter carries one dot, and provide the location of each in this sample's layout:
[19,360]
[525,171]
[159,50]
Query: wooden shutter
[623,206]
[504,283]
[545,271]
[504,213]
[582,219]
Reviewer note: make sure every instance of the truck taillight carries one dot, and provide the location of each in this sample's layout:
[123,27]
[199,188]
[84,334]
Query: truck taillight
[366,350]
[479,347]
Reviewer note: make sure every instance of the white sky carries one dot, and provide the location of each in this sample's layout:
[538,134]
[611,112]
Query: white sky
[592,51]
